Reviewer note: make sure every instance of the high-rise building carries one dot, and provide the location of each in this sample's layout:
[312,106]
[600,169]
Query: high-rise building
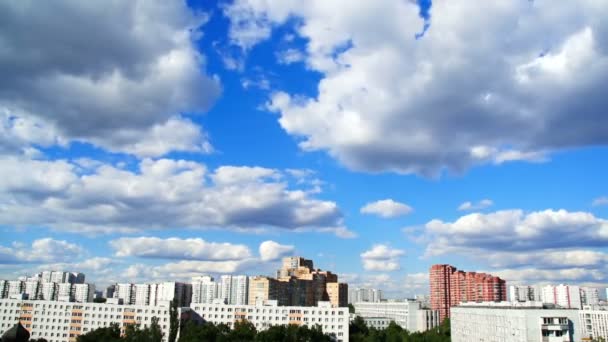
[64,292]
[48,291]
[358,295]
[141,294]
[204,289]
[125,292]
[31,288]
[262,289]
[14,288]
[303,284]
[3,288]
[565,296]
[234,289]
[524,293]
[83,293]
[589,296]
[449,287]
[109,291]
[338,294]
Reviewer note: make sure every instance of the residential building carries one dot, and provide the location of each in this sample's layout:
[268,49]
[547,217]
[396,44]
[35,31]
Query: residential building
[449,287]
[64,292]
[379,323]
[513,322]
[263,314]
[524,293]
[594,322]
[65,321]
[3,288]
[589,296]
[125,293]
[31,288]
[265,288]
[408,314]
[14,288]
[141,294]
[234,289]
[109,291]
[338,294]
[48,291]
[204,289]
[565,296]
[83,293]
[357,295]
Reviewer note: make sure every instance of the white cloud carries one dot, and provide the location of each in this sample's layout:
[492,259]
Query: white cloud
[386,208]
[517,231]
[484,203]
[158,194]
[389,102]
[183,270]
[381,258]
[176,248]
[600,201]
[44,250]
[270,250]
[290,56]
[123,91]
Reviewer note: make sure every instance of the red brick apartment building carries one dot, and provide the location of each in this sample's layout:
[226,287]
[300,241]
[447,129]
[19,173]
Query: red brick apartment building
[449,287]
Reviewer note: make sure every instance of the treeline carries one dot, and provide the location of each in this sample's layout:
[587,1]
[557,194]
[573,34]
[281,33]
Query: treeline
[360,332]
[192,332]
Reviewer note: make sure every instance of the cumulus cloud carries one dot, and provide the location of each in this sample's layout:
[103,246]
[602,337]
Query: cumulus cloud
[289,56]
[124,91]
[386,208]
[176,248]
[387,101]
[270,250]
[467,206]
[381,258]
[44,250]
[600,201]
[184,270]
[156,194]
[516,230]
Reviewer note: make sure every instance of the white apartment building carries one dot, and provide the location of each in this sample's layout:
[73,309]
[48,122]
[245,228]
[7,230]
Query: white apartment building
[513,322]
[407,314]
[31,288]
[124,292]
[234,289]
[333,321]
[204,289]
[141,294]
[589,296]
[566,296]
[3,288]
[357,295]
[64,292]
[65,321]
[83,293]
[48,291]
[14,287]
[594,322]
[524,293]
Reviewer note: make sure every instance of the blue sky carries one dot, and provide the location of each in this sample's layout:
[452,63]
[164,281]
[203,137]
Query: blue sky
[157,140]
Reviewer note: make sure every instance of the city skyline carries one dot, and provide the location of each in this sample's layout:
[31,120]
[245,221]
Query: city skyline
[377,138]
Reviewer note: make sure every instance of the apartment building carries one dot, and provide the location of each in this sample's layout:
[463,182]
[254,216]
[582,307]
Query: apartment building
[589,296]
[65,321]
[524,293]
[152,294]
[513,322]
[408,314]
[337,294]
[565,296]
[449,287]
[594,322]
[357,295]
[83,293]
[263,314]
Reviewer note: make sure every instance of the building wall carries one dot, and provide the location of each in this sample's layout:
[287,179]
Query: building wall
[332,320]
[338,294]
[407,314]
[594,322]
[64,321]
[506,323]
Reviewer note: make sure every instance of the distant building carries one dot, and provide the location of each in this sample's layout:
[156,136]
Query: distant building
[357,295]
[83,293]
[513,322]
[449,287]
[408,314]
[589,296]
[524,293]
[565,296]
[379,323]
[338,294]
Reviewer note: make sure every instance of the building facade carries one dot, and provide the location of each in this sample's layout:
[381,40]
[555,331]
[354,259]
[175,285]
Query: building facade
[594,322]
[513,322]
[333,321]
[524,293]
[449,287]
[409,314]
[565,296]
[357,295]
[65,321]
[589,296]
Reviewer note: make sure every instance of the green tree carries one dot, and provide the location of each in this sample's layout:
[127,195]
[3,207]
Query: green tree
[173,322]
[106,334]
[243,331]
[351,308]
[99,300]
